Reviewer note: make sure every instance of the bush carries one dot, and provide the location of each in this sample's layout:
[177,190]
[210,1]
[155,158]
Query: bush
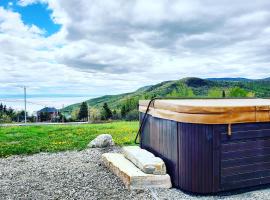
[5,119]
[216,93]
[238,92]
[132,115]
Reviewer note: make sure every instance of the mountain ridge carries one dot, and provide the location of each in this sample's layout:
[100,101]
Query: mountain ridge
[185,87]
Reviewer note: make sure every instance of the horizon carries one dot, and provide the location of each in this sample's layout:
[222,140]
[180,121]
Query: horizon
[81,49]
[36,102]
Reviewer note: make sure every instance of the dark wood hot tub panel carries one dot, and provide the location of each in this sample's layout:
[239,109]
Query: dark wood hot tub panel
[160,137]
[204,159]
[195,167]
[245,156]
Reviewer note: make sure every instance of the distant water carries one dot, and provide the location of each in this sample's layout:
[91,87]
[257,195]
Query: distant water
[36,103]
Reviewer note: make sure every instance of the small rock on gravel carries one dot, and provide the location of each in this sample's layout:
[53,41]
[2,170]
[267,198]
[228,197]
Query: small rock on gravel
[103,140]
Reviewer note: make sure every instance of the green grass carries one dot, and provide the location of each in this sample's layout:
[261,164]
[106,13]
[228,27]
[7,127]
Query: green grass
[35,139]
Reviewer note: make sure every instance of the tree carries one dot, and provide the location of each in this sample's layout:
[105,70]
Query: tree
[5,109]
[223,94]
[20,116]
[83,113]
[106,112]
[74,114]
[1,107]
[123,111]
[4,118]
[132,115]
[181,90]
[214,93]
[95,114]
[8,115]
[44,116]
[114,114]
[238,92]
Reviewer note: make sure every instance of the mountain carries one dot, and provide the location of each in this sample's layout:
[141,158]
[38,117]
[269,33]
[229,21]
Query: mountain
[186,87]
[230,79]
[239,79]
[265,79]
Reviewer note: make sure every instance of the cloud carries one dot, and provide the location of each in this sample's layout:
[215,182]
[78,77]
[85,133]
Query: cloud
[114,46]
[29,2]
[125,36]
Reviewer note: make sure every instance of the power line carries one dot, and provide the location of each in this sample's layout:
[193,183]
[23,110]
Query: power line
[21,100]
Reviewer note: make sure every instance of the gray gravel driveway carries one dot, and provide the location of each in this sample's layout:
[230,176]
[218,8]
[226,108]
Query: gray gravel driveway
[80,175]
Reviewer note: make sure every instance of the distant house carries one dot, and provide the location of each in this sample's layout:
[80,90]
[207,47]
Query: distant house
[47,114]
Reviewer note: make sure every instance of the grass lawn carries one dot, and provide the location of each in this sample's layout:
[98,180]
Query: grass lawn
[34,139]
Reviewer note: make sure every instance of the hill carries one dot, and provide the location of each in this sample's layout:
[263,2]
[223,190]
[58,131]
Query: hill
[124,104]
[230,79]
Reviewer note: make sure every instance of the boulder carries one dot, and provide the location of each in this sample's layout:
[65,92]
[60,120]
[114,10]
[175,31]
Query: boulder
[103,140]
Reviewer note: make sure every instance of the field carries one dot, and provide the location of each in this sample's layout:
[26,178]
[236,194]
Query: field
[53,138]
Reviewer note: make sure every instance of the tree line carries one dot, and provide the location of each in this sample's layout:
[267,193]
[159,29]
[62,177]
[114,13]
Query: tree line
[8,115]
[127,111]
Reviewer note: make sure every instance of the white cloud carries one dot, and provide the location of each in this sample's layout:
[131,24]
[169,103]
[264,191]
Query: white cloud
[114,46]
[124,36]
[29,2]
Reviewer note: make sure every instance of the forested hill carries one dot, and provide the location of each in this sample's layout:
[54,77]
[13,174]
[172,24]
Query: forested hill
[124,104]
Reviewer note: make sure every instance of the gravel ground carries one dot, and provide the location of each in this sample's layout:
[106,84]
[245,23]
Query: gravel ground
[81,175]
[65,175]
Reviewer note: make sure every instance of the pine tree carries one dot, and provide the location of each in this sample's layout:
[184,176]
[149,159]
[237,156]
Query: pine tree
[223,94]
[83,113]
[123,111]
[1,107]
[106,112]
[5,109]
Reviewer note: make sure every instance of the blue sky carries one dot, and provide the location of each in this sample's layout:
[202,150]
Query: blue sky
[86,48]
[37,14]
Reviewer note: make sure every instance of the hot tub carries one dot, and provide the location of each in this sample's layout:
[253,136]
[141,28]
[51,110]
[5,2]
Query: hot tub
[210,145]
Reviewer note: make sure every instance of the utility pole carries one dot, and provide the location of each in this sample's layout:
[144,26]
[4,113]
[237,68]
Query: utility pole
[63,116]
[25,117]
[88,113]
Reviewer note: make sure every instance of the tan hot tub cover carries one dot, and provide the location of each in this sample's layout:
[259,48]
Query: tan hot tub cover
[210,111]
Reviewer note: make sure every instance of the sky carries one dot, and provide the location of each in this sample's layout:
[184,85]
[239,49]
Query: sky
[69,50]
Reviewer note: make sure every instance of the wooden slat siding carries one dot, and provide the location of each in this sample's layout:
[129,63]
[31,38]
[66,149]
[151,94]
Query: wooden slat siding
[244,161]
[246,176]
[252,152]
[160,138]
[243,135]
[152,130]
[245,183]
[248,126]
[145,135]
[245,156]
[195,157]
[245,169]
[245,145]
[216,158]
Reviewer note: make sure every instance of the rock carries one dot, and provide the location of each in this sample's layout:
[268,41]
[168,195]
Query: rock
[145,160]
[103,140]
[133,177]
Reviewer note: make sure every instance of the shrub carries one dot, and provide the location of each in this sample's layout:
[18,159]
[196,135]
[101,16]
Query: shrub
[132,115]
[5,119]
[238,92]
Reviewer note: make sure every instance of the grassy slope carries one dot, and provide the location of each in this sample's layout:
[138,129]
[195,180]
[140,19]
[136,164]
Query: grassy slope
[34,139]
[200,87]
